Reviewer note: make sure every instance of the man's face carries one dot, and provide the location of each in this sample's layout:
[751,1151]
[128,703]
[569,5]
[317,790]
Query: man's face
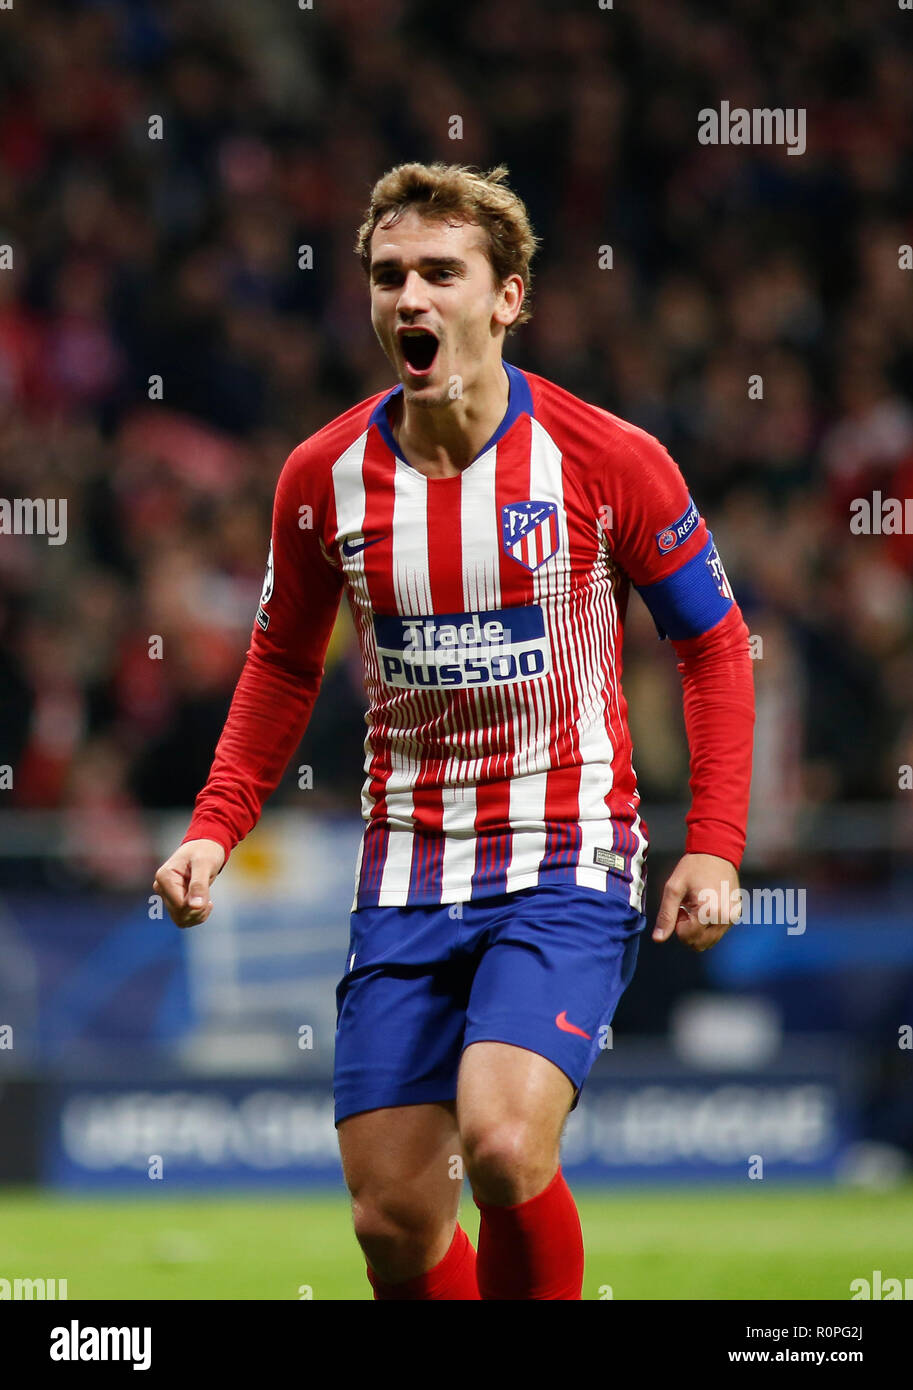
[433,298]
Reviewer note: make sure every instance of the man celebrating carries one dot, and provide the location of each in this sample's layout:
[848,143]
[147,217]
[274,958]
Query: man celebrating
[486,527]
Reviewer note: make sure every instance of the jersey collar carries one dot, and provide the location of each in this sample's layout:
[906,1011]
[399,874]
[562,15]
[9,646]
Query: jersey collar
[519,402]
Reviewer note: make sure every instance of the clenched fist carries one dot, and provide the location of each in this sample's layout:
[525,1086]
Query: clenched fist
[184,881]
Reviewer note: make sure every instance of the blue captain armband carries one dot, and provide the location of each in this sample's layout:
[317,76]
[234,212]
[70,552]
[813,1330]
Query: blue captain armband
[693,599]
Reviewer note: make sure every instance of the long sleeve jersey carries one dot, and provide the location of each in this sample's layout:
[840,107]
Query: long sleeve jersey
[490,609]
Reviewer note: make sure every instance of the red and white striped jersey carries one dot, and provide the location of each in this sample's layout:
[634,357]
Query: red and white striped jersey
[489,608]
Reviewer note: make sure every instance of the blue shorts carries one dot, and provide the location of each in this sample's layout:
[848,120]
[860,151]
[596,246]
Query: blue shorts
[541,968]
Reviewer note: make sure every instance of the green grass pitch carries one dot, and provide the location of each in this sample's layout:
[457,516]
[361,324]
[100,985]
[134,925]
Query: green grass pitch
[759,1243]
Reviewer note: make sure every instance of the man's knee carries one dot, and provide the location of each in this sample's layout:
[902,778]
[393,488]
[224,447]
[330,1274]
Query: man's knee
[391,1214]
[509,1160]
[401,1235]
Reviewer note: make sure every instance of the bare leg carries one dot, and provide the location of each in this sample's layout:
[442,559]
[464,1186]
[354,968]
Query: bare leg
[398,1165]
[511,1107]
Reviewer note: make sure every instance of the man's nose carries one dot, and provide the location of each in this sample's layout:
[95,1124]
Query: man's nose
[413,295]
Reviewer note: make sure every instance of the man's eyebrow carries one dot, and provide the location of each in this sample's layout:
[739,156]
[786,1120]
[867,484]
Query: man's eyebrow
[435,262]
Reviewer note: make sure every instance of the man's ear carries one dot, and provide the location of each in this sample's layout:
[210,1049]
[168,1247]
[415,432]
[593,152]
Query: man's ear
[510,297]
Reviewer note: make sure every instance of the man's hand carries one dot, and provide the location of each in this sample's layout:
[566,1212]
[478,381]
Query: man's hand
[700,901]
[184,881]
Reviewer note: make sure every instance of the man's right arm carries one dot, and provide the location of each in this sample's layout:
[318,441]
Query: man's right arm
[273,699]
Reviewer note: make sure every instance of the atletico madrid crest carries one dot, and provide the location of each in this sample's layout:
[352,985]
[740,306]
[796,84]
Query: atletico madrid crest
[529,532]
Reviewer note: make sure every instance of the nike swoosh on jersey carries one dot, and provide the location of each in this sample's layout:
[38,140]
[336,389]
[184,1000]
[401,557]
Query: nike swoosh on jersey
[355,547]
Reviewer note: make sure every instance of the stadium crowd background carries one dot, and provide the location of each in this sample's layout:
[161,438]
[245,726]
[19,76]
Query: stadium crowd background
[178,257]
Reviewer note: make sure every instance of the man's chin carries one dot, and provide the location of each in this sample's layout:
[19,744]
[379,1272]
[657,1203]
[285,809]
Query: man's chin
[424,393]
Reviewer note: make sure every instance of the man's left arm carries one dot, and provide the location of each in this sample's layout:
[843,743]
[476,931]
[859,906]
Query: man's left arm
[701,897]
[661,541]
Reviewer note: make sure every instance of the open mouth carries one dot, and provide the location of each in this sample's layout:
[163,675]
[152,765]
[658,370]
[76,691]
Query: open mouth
[419,348]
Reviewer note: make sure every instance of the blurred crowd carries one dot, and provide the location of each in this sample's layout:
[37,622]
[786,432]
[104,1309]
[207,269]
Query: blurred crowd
[170,266]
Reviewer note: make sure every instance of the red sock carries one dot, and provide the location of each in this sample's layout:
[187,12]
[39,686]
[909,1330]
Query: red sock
[532,1250]
[453,1278]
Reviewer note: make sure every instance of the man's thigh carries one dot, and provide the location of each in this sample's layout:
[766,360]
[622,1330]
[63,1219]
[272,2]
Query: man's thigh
[511,1100]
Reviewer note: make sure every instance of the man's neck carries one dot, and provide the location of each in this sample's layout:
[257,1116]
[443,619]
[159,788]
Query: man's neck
[441,441]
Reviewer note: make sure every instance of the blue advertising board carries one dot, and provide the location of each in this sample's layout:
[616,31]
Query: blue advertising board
[650,1123]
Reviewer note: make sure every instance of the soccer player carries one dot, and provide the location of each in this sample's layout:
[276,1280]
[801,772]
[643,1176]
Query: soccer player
[486,527]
